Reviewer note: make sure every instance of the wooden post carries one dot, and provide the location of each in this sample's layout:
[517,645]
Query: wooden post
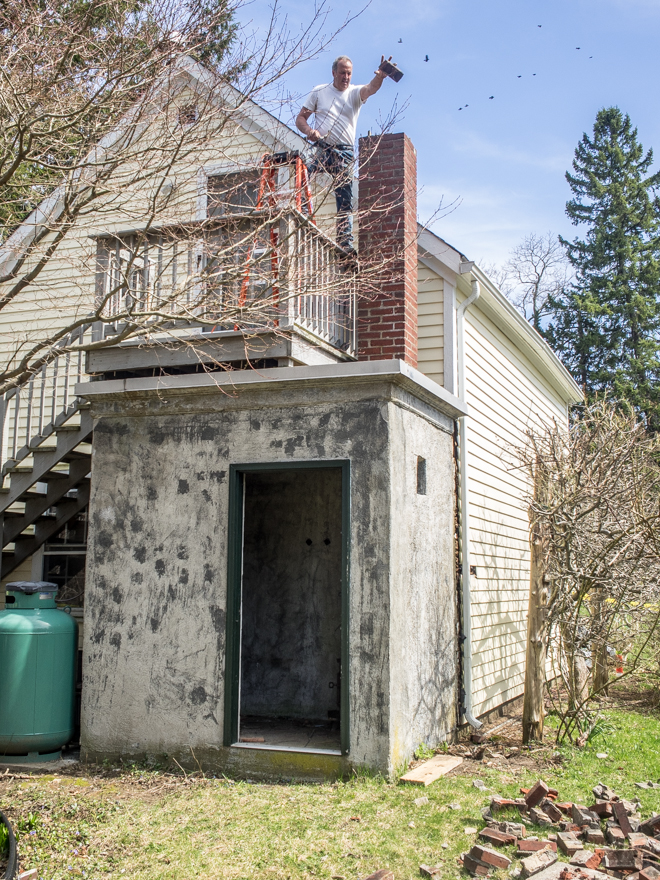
[599,647]
[536,621]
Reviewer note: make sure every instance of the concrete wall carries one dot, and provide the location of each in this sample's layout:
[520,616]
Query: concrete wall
[155,616]
[291,606]
[423,624]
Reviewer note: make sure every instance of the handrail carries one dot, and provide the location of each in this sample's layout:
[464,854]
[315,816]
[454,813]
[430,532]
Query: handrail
[292,273]
[35,409]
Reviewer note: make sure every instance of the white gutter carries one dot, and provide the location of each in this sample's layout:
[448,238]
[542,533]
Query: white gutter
[464,518]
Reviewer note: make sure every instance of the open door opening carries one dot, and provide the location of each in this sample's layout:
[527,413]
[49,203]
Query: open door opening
[291,621]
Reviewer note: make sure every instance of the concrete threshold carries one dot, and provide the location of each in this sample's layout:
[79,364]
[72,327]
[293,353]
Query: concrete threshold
[297,749]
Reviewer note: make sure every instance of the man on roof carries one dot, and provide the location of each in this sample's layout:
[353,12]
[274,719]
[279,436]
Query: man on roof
[336,107]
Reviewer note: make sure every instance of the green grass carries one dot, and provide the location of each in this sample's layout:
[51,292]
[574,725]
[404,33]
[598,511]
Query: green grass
[152,826]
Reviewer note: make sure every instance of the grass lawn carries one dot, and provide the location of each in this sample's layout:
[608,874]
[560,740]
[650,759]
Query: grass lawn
[145,824]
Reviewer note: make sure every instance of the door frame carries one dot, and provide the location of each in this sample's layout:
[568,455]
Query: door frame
[234,588]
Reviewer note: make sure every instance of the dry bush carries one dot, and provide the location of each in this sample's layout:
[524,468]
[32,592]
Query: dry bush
[596,508]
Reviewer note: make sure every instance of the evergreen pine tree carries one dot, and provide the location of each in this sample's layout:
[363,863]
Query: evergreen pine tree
[606,326]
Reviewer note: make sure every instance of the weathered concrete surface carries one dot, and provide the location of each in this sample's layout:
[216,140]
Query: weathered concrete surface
[423,631]
[291,616]
[155,611]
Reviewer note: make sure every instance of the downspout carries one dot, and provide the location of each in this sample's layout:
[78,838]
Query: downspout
[464,518]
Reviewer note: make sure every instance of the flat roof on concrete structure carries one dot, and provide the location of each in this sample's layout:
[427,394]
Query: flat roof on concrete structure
[397,371]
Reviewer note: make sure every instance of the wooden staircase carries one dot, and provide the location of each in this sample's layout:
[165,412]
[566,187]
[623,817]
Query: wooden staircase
[45,450]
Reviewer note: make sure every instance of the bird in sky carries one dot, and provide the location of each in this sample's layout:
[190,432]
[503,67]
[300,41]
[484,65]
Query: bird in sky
[400,40]
[540,25]
[426,58]
[491,97]
[520,76]
[577,47]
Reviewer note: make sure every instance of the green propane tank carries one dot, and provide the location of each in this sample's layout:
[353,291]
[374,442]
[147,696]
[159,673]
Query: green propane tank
[38,653]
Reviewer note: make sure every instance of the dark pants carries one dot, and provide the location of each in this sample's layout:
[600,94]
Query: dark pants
[337,160]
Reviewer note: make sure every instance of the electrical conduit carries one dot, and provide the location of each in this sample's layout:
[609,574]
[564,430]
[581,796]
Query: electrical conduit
[464,519]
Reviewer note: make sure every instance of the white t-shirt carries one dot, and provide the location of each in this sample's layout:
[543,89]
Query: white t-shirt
[336,112]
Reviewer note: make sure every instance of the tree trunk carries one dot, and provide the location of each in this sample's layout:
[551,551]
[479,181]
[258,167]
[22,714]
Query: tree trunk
[599,648]
[536,620]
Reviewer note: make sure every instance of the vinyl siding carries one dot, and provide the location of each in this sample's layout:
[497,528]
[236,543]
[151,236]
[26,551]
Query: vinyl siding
[65,287]
[506,393]
[430,301]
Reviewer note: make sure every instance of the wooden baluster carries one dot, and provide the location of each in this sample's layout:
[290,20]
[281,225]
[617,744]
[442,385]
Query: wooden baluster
[53,407]
[17,405]
[67,363]
[28,418]
[42,399]
[3,413]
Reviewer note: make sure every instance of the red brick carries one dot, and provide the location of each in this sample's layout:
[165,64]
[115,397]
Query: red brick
[489,857]
[536,794]
[388,231]
[529,846]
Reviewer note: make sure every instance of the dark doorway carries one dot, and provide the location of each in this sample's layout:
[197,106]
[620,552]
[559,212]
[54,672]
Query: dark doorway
[292,592]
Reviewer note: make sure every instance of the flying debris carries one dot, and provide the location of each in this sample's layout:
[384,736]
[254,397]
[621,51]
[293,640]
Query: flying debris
[426,58]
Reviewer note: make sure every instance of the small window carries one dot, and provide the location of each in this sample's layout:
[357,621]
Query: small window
[188,114]
[235,193]
[421,475]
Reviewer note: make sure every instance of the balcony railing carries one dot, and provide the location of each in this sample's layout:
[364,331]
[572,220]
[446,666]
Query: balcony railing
[245,272]
[37,408]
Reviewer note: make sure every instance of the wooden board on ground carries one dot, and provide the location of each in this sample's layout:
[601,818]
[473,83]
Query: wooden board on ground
[431,770]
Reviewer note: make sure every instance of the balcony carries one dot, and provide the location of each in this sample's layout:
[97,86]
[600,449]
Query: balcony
[253,276]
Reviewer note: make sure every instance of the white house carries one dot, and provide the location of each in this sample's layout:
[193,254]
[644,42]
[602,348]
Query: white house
[387,423]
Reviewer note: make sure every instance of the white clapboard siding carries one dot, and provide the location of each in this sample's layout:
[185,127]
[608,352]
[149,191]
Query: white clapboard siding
[507,391]
[506,394]
[430,356]
[65,288]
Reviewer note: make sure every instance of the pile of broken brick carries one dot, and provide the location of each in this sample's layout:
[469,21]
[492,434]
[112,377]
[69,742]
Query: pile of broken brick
[627,848]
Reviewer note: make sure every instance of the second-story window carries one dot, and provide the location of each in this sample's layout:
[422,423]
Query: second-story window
[233,193]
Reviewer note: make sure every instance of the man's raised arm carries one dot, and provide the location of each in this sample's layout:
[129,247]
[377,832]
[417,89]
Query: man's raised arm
[372,87]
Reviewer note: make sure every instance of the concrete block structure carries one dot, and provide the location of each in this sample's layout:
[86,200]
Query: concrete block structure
[274,562]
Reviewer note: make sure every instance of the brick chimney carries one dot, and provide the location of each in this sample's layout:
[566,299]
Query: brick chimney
[387,309]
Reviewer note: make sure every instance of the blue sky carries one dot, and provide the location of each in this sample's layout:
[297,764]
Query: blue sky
[504,158]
